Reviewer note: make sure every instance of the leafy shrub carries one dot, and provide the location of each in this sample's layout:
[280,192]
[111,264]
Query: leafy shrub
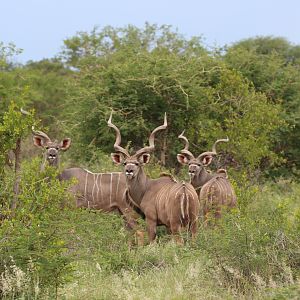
[32,240]
[258,244]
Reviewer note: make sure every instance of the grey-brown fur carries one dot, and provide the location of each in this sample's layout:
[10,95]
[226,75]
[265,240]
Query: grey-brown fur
[214,190]
[51,148]
[100,191]
[162,200]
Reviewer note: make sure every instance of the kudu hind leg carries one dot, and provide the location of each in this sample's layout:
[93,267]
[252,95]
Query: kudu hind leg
[176,233]
[193,229]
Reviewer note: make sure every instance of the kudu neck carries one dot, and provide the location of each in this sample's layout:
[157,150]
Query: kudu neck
[137,186]
[199,180]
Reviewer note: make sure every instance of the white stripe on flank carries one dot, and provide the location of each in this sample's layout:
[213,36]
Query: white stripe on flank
[97,186]
[110,188]
[101,186]
[159,195]
[117,190]
[85,196]
[93,188]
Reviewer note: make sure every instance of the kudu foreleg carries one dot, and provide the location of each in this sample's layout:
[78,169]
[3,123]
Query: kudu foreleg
[132,224]
[151,229]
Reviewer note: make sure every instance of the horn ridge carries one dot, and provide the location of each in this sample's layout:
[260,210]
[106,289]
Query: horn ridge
[117,143]
[40,134]
[186,146]
[151,139]
[214,151]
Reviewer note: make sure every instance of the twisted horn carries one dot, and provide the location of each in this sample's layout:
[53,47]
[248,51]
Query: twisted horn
[214,151]
[151,146]
[40,134]
[117,143]
[218,141]
[186,147]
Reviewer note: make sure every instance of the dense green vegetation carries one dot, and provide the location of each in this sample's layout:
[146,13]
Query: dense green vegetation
[249,91]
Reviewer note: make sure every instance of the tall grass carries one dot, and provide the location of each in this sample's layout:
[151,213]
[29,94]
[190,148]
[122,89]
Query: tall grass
[253,252]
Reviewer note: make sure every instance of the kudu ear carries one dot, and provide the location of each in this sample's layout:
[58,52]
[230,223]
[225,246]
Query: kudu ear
[65,144]
[206,160]
[117,158]
[38,141]
[182,159]
[144,158]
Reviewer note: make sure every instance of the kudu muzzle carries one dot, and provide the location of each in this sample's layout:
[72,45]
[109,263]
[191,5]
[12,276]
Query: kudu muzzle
[194,169]
[52,155]
[130,170]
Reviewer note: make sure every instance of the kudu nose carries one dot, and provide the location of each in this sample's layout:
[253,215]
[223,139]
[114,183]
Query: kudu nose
[192,172]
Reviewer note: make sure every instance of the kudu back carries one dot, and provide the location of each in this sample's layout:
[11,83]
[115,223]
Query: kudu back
[99,191]
[214,190]
[163,201]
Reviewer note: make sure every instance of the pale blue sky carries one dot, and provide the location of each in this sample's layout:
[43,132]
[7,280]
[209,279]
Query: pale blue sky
[39,26]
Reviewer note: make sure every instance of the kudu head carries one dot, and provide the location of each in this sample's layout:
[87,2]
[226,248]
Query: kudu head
[42,140]
[196,164]
[132,163]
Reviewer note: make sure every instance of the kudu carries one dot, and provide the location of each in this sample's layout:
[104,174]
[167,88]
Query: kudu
[51,149]
[163,201]
[214,190]
[99,191]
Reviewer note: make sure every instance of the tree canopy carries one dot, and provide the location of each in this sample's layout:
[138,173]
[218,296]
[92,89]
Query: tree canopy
[248,92]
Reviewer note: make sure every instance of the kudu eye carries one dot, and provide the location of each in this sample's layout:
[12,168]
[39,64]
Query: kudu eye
[136,164]
[124,163]
[57,148]
[47,147]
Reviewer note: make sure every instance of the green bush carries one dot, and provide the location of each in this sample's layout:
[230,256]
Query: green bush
[33,253]
[258,244]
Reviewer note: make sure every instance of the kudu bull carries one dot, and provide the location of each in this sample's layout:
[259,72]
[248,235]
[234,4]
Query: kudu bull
[214,190]
[163,201]
[99,191]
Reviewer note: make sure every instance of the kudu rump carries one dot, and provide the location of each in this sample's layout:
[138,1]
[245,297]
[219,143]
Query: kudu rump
[100,191]
[162,200]
[214,190]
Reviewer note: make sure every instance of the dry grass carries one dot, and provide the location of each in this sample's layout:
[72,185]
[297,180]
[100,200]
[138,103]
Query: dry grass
[185,280]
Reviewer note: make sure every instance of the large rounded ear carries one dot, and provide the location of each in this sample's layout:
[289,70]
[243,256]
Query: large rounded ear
[182,159]
[65,144]
[38,141]
[117,158]
[144,158]
[206,160]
